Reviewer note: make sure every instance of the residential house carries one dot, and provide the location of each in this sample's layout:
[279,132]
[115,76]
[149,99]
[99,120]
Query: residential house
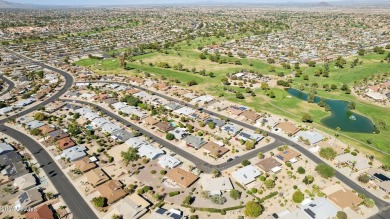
[214,150]
[288,128]
[150,120]
[233,110]
[110,101]
[5,110]
[28,199]
[246,174]
[231,128]
[173,106]
[269,164]
[135,142]
[310,136]
[112,191]
[184,111]
[148,151]
[15,170]
[99,122]
[73,153]
[110,128]
[181,177]
[381,178]
[194,141]
[288,155]
[90,116]
[345,199]
[85,164]
[25,182]
[250,116]
[249,135]
[356,162]
[162,213]
[9,158]
[65,143]
[57,135]
[122,135]
[167,161]
[215,186]
[34,124]
[164,127]
[97,177]
[179,133]
[41,212]
[46,129]
[217,122]
[133,206]
[319,208]
[5,148]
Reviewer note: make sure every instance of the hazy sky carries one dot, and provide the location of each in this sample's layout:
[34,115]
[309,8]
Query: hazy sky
[138,2]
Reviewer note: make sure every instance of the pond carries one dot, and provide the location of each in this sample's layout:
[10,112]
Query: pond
[340,116]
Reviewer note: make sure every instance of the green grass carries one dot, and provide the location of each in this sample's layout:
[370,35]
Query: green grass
[282,104]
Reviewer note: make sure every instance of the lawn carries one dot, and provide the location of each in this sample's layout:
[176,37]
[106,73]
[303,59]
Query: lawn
[283,104]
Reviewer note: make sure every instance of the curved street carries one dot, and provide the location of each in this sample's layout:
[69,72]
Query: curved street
[279,140]
[78,205]
[10,83]
[67,191]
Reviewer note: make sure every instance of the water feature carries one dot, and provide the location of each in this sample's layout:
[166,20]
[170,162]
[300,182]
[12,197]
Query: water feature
[340,116]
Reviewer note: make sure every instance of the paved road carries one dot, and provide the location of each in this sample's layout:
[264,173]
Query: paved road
[79,208]
[68,84]
[201,164]
[279,140]
[11,84]
[77,205]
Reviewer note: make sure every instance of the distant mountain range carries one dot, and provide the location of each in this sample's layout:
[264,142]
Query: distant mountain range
[231,3]
[6,4]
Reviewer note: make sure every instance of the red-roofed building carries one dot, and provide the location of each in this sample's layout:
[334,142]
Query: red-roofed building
[42,212]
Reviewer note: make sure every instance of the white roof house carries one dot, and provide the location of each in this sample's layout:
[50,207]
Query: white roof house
[6,110]
[83,111]
[87,96]
[167,161]
[119,105]
[99,122]
[145,96]
[231,128]
[312,137]
[215,186]
[184,111]
[110,127]
[249,135]
[202,99]
[22,103]
[135,142]
[361,163]
[246,174]
[90,116]
[319,208]
[34,124]
[134,110]
[179,133]
[73,153]
[149,151]
[25,182]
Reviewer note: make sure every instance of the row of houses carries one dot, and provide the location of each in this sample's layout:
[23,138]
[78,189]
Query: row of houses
[15,171]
